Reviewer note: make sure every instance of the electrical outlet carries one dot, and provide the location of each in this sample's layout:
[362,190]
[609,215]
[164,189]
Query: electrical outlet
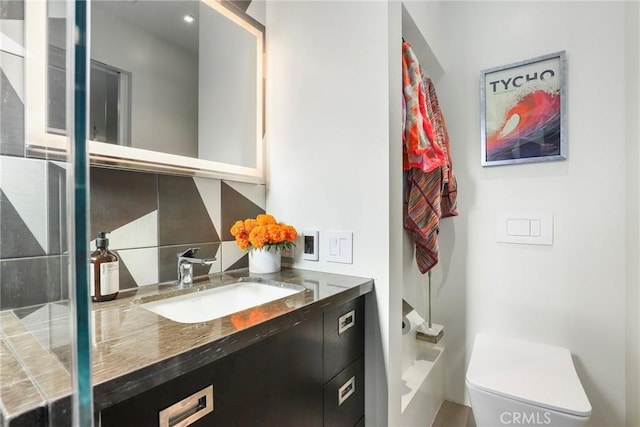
[310,245]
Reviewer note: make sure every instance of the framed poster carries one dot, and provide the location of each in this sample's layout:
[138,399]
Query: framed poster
[523,111]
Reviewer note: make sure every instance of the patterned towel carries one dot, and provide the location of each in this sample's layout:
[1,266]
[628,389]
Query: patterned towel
[441,137]
[430,192]
[422,214]
[419,148]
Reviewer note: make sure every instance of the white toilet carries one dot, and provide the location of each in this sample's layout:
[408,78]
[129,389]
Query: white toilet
[520,383]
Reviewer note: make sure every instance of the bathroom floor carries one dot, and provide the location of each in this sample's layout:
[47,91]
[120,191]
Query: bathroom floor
[454,415]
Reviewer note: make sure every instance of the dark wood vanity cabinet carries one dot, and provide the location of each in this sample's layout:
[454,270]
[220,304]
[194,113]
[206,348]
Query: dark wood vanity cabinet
[309,375]
[343,355]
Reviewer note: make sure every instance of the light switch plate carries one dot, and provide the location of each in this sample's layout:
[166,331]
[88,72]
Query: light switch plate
[339,246]
[310,241]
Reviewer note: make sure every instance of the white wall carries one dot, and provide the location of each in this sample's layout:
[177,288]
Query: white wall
[332,167]
[164,84]
[632,15]
[428,35]
[328,132]
[570,294]
[448,284]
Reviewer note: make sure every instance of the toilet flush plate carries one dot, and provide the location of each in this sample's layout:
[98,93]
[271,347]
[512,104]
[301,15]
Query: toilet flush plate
[526,228]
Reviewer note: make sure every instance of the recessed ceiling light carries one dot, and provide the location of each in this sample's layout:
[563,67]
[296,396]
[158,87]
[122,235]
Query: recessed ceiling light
[188,19]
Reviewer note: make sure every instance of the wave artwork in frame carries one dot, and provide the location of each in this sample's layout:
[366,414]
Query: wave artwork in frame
[523,111]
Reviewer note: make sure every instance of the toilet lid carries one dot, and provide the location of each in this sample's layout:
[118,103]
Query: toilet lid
[538,374]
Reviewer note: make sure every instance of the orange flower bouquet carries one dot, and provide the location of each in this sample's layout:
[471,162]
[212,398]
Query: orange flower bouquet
[263,232]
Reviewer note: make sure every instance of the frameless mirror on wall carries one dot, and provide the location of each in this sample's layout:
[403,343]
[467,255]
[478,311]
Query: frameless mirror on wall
[174,83]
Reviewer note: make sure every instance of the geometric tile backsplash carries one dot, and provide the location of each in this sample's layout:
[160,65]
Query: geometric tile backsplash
[150,218]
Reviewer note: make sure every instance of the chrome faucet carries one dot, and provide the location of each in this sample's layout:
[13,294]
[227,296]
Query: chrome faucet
[185,266]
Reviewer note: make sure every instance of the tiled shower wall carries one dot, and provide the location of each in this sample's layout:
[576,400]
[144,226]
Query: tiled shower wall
[33,259]
[150,217]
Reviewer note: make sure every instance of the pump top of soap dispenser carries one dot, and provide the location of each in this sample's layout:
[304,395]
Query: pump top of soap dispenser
[102,242]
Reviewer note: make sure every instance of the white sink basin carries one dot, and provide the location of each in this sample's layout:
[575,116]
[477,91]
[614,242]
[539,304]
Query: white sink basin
[213,303]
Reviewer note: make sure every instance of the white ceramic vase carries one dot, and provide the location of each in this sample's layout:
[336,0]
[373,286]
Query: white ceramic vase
[264,261]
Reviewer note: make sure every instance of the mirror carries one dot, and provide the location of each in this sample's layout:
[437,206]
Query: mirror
[175,85]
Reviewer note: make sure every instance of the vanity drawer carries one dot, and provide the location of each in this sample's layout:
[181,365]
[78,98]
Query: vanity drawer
[343,336]
[275,382]
[344,397]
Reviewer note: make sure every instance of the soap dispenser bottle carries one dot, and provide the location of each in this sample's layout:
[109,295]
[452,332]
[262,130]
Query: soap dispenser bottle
[104,271]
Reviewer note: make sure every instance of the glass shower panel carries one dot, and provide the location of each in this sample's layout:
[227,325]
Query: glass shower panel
[79,225]
[39,349]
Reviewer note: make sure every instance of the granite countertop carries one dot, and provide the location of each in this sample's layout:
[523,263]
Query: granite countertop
[135,349]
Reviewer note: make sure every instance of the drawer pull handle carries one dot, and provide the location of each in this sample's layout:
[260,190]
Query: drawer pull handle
[346,321]
[188,410]
[346,390]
